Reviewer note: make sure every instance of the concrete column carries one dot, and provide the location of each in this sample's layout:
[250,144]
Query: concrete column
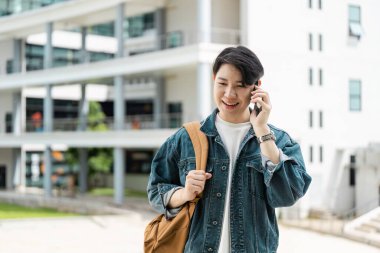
[17,55]
[204,21]
[85,56]
[18,170]
[17,113]
[159,21]
[204,91]
[160,117]
[119,103]
[82,126]
[118,175]
[83,171]
[83,103]
[48,110]
[119,110]
[204,71]
[47,172]
[246,7]
[48,50]
[17,97]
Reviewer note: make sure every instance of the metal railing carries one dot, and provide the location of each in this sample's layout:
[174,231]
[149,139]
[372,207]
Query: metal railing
[144,121]
[330,223]
[149,43]
[11,7]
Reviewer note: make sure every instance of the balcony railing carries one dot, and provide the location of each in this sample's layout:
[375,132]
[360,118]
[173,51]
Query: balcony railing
[147,121]
[16,6]
[152,42]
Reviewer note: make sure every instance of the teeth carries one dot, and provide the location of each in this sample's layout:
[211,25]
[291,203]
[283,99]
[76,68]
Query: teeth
[230,104]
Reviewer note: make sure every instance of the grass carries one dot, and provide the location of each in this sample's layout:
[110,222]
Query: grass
[109,192]
[12,211]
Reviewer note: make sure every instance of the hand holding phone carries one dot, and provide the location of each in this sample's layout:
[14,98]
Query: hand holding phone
[257,107]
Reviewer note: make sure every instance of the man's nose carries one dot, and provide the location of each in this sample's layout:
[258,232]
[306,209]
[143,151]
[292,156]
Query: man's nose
[230,92]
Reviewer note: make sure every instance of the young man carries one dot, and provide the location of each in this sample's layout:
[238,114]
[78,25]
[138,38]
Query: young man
[252,167]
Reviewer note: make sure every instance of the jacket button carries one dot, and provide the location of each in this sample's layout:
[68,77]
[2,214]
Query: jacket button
[210,249]
[215,222]
[219,195]
[224,167]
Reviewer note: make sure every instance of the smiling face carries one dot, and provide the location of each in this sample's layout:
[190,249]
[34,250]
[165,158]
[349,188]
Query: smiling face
[231,96]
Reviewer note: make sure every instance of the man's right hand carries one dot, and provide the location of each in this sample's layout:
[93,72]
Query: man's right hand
[194,185]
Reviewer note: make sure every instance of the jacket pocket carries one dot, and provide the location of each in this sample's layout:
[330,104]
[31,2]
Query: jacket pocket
[255,179]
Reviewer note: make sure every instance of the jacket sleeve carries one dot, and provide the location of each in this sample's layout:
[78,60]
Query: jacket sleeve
[288,181]
[164,176]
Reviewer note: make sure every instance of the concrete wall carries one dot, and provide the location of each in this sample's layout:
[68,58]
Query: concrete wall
[367,192]
[6,53]
[6,100]
[181,87]
[225,14]
[279,35]
[6,159]
[181,16]
[136,182]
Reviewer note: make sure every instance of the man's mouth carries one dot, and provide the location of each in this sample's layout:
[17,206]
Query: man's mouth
[230,105]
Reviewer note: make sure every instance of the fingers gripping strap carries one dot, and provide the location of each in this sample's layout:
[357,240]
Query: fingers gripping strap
[200,144]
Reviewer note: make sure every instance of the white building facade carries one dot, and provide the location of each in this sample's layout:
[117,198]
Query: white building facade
[321,60]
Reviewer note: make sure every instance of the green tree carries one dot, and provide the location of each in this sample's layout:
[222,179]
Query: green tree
[99,159]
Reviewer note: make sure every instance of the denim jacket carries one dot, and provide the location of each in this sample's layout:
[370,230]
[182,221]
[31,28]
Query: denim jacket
[256,189]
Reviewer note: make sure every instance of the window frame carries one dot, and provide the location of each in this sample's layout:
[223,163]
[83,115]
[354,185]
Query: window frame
[355,29]
[355,96]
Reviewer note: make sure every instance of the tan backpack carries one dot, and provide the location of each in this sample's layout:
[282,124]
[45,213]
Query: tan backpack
[170,236]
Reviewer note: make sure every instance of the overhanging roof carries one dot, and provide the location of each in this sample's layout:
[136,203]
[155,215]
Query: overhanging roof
[70,14]
[124,139]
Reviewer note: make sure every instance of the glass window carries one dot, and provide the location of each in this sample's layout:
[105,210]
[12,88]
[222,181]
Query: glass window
[310,118]
[310,41]
[355,95]
[354,14]
[320,4]
[320,42]
[8,122]
[352,178]
[174,39]
[311,154]
[354,21]
[310,76]
[135,26]
[106,29]
[310,4]
[320,119]
[9,66]
[320,77]
[148,21]
[175,114]
[321,154]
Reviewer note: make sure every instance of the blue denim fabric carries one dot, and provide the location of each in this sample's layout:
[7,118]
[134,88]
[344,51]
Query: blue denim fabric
[255,191]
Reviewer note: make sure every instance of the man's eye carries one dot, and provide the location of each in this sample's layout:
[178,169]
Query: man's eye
[223,84]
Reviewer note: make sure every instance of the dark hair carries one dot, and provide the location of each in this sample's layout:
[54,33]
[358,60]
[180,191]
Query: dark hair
[244,60]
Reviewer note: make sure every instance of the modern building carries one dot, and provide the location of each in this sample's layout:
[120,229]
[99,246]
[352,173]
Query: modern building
[148,65]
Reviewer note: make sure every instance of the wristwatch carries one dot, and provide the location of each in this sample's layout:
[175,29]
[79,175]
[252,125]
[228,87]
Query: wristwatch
[266,137]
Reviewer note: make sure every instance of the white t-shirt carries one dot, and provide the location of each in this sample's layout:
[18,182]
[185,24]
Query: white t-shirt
[232,135]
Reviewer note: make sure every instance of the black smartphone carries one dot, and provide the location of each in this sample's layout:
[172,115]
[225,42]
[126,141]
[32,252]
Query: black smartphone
[257,108]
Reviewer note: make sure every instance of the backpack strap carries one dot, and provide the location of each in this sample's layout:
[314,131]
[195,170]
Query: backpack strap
[200,143]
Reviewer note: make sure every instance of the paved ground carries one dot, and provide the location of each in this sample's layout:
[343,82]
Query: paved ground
[124,233]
